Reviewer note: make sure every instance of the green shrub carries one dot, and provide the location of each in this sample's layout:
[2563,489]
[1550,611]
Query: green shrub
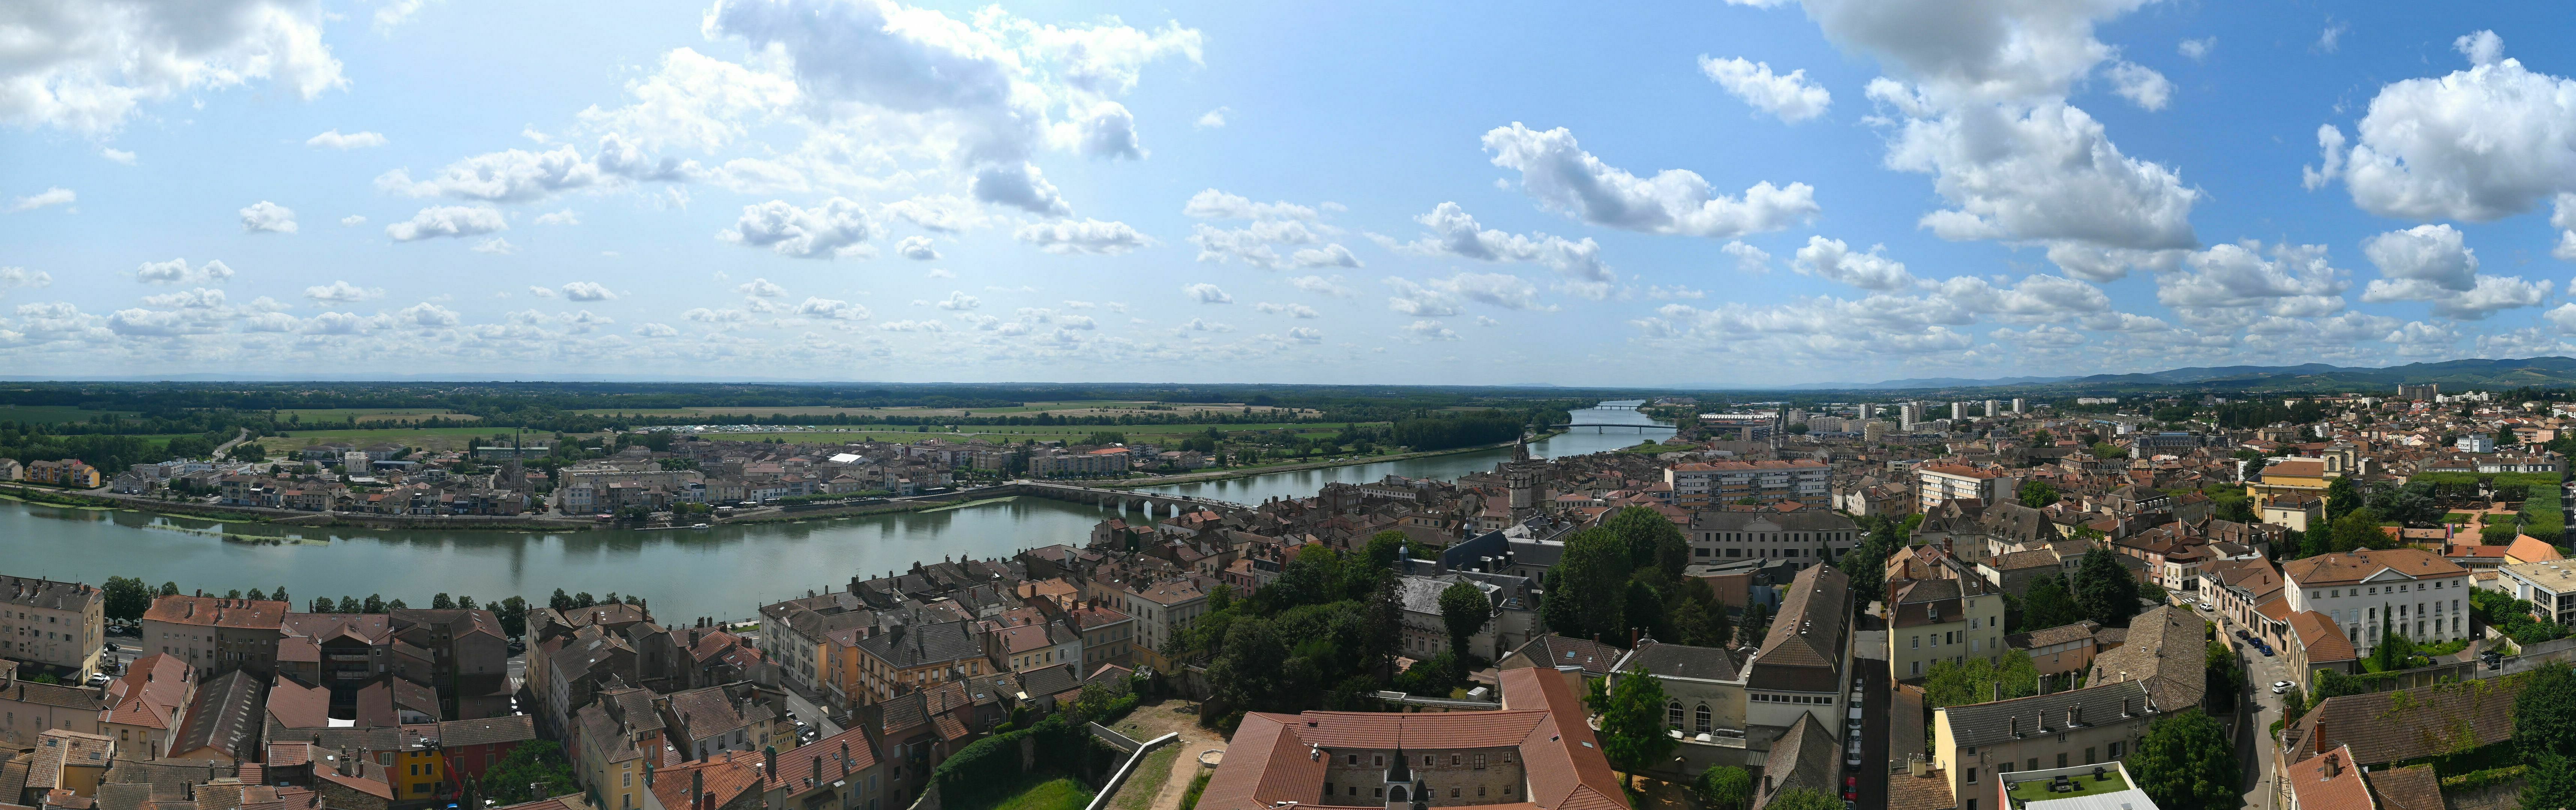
[2474,780]
[1198,785]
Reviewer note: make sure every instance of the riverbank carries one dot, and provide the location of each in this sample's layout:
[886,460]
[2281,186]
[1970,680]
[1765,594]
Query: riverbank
[1303,466]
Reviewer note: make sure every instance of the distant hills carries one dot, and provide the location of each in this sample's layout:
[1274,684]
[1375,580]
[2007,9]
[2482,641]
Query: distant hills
[2458,375]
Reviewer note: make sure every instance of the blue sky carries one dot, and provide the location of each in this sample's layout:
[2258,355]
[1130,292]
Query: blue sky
[1694,194]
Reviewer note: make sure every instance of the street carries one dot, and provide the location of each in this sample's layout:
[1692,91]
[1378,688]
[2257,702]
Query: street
[805,710]
[2254,747]
[1874,732]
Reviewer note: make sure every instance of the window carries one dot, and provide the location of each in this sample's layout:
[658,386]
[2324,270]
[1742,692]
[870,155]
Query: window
[1377,760]
[1455,759]
[2088,755]
[2115,750]
[2061,759]
[1701,716]
[1426,759]
[1453,793]
[1917,643]
[1353,759]
[1972,776]
[1672,716]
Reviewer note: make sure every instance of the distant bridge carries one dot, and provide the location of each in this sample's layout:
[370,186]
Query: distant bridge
[1604,427]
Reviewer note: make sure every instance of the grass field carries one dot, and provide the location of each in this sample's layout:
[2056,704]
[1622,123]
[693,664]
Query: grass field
[1052,794]
[1141,787]
[366,415]
[51,414]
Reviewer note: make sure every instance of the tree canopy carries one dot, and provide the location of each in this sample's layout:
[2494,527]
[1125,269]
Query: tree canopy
[2186,763]
[2105,590]
[1632,721]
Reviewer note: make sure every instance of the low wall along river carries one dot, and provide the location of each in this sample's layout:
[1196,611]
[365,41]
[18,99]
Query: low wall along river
[725,571]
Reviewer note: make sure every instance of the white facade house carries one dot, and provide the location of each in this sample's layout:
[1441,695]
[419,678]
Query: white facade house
[2412,593]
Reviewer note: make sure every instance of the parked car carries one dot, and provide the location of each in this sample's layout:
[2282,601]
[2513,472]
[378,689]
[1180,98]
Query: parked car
[2266,648]
[100,678]
[2279,687]
[2241,635]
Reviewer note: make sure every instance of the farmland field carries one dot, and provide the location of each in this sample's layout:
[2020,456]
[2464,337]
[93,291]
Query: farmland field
[426,438]
[1070,408]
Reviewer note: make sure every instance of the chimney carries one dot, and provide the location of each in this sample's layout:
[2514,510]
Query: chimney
[2334,766]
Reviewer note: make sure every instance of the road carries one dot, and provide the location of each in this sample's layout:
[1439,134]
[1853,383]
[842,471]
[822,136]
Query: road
[804,709]
[2254,746]
[242,437]
[1875,688]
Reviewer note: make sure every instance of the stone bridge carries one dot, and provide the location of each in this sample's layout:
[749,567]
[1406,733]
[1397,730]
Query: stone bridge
[1154,504]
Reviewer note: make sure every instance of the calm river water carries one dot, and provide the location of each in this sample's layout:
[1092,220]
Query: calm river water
[724,572]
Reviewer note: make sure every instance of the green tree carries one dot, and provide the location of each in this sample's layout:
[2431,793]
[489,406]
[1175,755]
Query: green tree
[2049,603]
[2105,589]
[1632,724]
[441,601]
[2392,653]
[2036,493]
[169,589]
[2223,676]
[560,601]
[533,770]
[2549,782]
[513,615]
[1696,617]
[375,603]
[1652,540]
[2544,715]
[1587,592]
[2341,497]
[323,604]
[1724,787]
[350,604]
[2186,763]
[2357,529]
[2294,704]
[1756,624]
[1464,609]
[125,598]
[2109,450]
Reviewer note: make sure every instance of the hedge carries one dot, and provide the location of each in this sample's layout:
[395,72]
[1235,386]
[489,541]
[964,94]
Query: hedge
[2474,780]
[993,763]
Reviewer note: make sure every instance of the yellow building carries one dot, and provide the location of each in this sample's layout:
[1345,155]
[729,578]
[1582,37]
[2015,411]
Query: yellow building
[2294,477]
[415,770]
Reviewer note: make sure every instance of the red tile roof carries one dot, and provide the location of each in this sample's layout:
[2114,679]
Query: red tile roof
[150,694]
[209,611]
[2329,781]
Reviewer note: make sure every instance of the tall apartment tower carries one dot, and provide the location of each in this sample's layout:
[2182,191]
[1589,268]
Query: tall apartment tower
[1958,411]
[2425,391]
[2017,405]
[1868,410]
[1907,414]
[1994,409]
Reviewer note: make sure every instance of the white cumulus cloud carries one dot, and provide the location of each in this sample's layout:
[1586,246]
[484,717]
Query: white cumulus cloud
[1789,96]
[267,217]
[1556,170]
[332,139]
[453,221]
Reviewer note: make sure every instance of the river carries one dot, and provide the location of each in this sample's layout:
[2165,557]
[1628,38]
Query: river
[723,572]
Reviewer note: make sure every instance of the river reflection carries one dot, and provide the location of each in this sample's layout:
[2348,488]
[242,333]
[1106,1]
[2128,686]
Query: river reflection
[723,571]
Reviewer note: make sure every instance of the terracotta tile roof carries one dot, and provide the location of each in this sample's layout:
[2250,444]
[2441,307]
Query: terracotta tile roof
[1269,760]
[2328,781]
[288,755]
[1930,791]
[209,611]
[50,694]
[2325,641]
[2531,549]
[726,778]
[151,693]
[369,628]
[298,649]
[372,787]
[2414,787]
[2079,631]
[295,705]
[823,760]
[2377,731]
[1438,730]
[2349,567]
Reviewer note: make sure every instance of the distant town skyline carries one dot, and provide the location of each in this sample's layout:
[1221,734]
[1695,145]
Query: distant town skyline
[1754,193]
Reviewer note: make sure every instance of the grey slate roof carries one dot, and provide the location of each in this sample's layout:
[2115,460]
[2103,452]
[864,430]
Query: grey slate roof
[225,716]
[925,645]
[1682,661]
[1808,631]
[2006,720]
[1802,758]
